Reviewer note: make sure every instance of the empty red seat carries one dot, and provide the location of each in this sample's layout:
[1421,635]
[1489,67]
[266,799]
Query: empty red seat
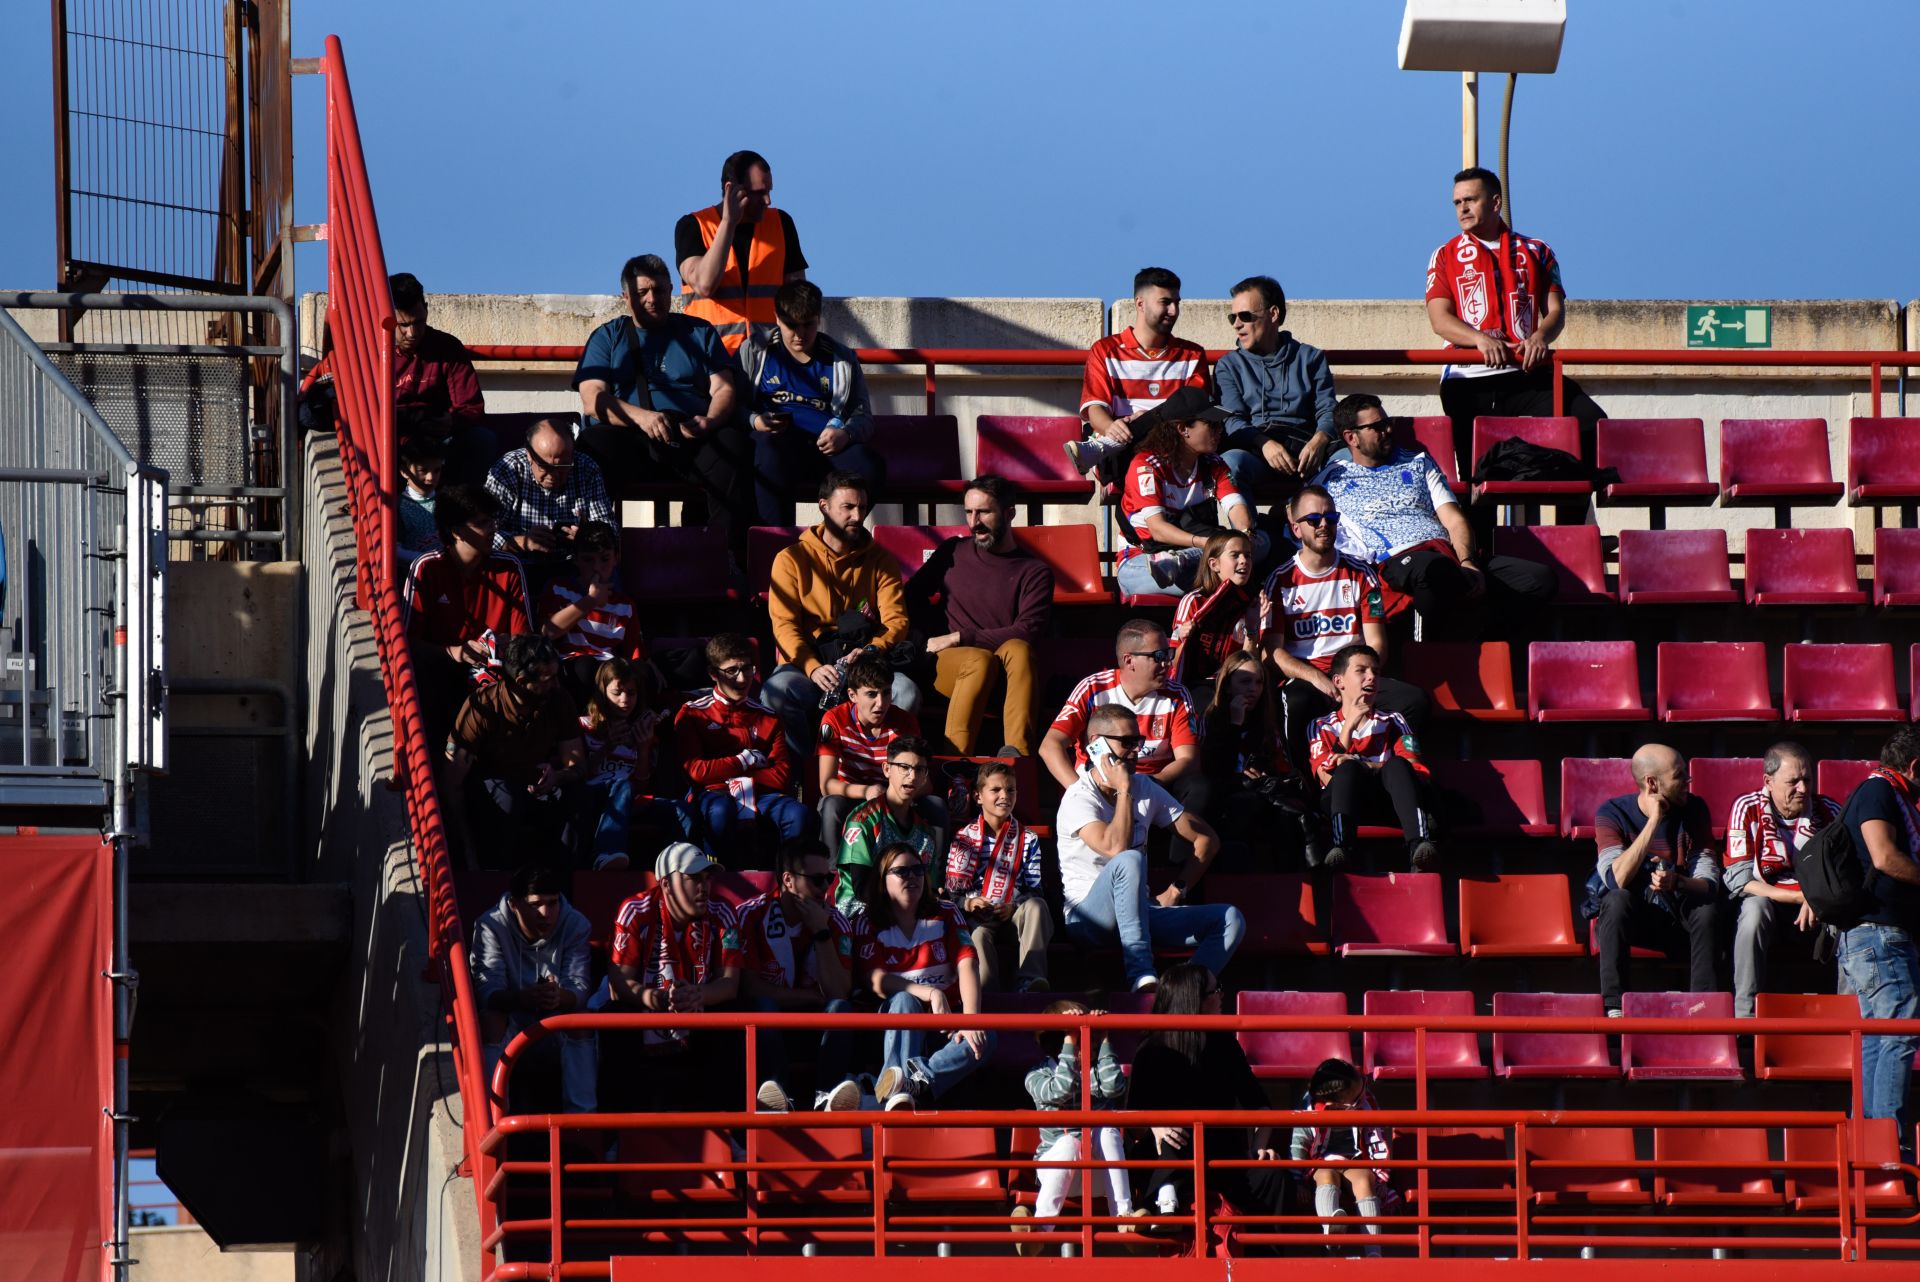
[1612,1184]
[1838,778]
[1883,460]
[1517,915]
[1279,908]
[1293,1054]
[675,563]
[797,1146]
[1466,679]
[1667,1057]
[706,1146]
[1804,1057]
[1817,1189]
[1802,567]
[1721,781]
[1555,433]
[1572,551]
[968,1161]
[1657,458]
[911,545]
[1434,434]
[1385,1054]
[1896,566]
[1586,783]
[1395,913]
[1492,1182]
[1745,1180]
[922,453]
[1675,567]
[1029,451]
[1584,681]
[1770,460]
[1072,552]
[1551,1054]
[1839,683]
[1509,797]
[1712,681]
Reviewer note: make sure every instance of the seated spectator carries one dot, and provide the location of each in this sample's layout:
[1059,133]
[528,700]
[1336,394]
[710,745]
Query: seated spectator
[1337,1087]
[674,949]
[661,397]
[834,596]
[1259,800]
[1102,829]
[810,412]
[984,600]
[422,458]
[798,953]
[994,877]
[912,951]
[732,749]
[546,494]
[1276,390]
[1185,1070]
[1054,1085]
[462,602]
[1220,615]
[1363,755]
[513,759]
[433,376]
[588,617]
[1764,834]
[1315,604]
[620,730]
[1178,494]
[733,256]
[852,757]
[1130,372]
[1397,514]
[530,959]
[902,815]
[1657,884]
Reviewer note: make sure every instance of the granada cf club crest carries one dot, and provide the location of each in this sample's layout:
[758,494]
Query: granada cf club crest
[1153,389]
[1473,296]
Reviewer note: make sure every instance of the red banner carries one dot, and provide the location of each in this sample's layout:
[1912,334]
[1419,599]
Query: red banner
[56,1058]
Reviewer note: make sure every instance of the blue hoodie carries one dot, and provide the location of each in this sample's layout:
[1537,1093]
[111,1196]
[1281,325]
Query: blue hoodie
[1291,388]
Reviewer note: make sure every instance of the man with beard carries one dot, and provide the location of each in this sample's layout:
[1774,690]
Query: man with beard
[833,596]
[1130,372]
[1764,835]
[433,374]
[985,600]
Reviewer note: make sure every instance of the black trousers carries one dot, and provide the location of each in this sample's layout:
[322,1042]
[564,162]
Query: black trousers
[719,464]
[1628,918]
[1357,790]
[1515,394]
[509,826]
[1301,704]
[1439,589]
[1194,791]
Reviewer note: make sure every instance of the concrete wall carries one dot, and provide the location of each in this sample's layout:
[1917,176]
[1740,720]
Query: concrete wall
[187,1254]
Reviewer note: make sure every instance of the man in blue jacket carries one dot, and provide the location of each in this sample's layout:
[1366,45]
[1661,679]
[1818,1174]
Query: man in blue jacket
[1277,391]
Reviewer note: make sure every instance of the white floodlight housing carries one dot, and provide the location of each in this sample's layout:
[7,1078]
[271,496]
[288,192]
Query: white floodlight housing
[1482,35]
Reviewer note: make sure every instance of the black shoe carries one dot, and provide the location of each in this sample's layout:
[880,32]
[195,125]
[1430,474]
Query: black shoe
[1424,856]
[1335,856]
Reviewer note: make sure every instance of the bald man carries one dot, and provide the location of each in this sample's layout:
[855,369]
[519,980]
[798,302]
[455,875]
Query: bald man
[546,491]
[1657,880]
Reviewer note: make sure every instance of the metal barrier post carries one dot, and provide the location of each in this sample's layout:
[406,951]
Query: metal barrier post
[1420,1138]
[1522,1196]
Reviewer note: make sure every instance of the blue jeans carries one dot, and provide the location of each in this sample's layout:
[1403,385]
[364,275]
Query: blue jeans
[1120,909]
[725,818]
[615,805]
[579,1054]
[1135,575]
[1883,968]
[906,1049]
[792,695]
[789,464]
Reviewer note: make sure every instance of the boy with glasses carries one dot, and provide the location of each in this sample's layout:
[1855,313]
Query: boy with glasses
[736,754]
[798,952]
[854,737]
[899,815]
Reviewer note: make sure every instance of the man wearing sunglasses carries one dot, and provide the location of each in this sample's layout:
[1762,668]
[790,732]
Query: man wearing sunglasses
[1103,823]
[1276,390]
[1313,605]
[798,953]
[546,492]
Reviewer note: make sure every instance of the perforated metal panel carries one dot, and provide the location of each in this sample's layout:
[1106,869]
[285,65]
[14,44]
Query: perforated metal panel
[187,414]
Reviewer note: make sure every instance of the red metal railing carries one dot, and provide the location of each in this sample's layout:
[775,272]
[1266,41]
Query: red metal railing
[931,358]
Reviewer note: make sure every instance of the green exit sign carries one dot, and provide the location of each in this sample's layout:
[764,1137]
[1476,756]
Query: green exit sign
[1725,325]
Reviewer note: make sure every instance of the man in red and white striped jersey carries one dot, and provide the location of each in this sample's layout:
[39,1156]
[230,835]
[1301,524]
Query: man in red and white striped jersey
[1363,756]
[1765,832]
[1130,372]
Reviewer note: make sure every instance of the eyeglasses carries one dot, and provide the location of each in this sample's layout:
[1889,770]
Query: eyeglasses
[1242,318]
[1163,655]
[739,672]
[1317,519]
[911,767]
[547,465]
[908,872]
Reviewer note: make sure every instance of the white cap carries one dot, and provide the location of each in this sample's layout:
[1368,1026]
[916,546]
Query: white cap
[682,856]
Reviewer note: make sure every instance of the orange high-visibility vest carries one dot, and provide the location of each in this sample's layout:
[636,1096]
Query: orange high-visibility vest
[731,309]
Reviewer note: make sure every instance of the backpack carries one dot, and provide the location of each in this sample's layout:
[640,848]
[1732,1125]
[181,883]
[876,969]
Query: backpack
[1833,877]
[1515,459]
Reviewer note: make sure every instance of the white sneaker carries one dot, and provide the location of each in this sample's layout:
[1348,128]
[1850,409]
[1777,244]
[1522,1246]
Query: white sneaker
[1616,1013]
[890,1083]
[773,1098]
[1146,984]
[844,1098]
[901,1100]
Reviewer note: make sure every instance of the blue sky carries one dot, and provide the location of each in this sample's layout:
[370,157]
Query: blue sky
[1688,150]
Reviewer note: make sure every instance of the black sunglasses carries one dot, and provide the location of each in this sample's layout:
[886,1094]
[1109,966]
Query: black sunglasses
[1163,655]
[1317,519]
[907,872]
[818,880]
[1242,318]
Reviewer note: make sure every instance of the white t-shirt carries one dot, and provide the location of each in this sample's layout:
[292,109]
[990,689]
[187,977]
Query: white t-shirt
[1083,804]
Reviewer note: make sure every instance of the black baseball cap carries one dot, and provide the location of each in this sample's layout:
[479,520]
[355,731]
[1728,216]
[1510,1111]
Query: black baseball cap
[1186,405]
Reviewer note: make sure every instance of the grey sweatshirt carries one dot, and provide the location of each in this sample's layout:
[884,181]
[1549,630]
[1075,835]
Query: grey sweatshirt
[1293,387]
[505,960]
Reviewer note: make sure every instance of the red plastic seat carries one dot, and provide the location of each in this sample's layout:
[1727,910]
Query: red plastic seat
[1721,781]
[1611,1185]
[764,543]
[1675,567]
[1686,1057]
[1584,681]
[1469,680]
[1072,552]
[1883,460]
[1509,795]
[1657,458]
[1768,460]
[1838,778]
[734,886]
[1456,1184]
[1896,566]
[1517,915]
[1434,434]
[810,1144]
[911,545]
[1281,918]
[922,453]
[1555,433]
[598,896]
[1746,1180]
[1397,913]
[1712,681]
[1573,553]
[1809,1057]
[706,1146]
[1386,1054]
[971,1164]
[673,564]
[1913,678]
[1293,1054]
[1802,567]
[1551,1054]
[1029,451]
[1587,783]
[1819,1190]
[1839,683]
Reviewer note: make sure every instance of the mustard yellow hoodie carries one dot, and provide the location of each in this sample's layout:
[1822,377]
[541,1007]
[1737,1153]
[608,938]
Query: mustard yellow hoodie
[811,587]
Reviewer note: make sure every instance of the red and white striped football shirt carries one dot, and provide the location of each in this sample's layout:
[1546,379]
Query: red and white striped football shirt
[606,631]
[1311,616]
[930,954]
[1166,719]
[861,754]
[780,952]
[1126,378]
[1154,488]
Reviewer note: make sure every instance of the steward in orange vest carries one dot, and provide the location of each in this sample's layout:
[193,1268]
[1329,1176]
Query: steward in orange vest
[735,255]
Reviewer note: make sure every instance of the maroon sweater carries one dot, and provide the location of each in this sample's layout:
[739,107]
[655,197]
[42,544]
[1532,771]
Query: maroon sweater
[988,598]
[437,379]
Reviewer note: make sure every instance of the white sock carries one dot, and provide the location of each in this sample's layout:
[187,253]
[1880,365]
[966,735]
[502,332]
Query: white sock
[1167,1200]
[1370,1207]
[1326,1203]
